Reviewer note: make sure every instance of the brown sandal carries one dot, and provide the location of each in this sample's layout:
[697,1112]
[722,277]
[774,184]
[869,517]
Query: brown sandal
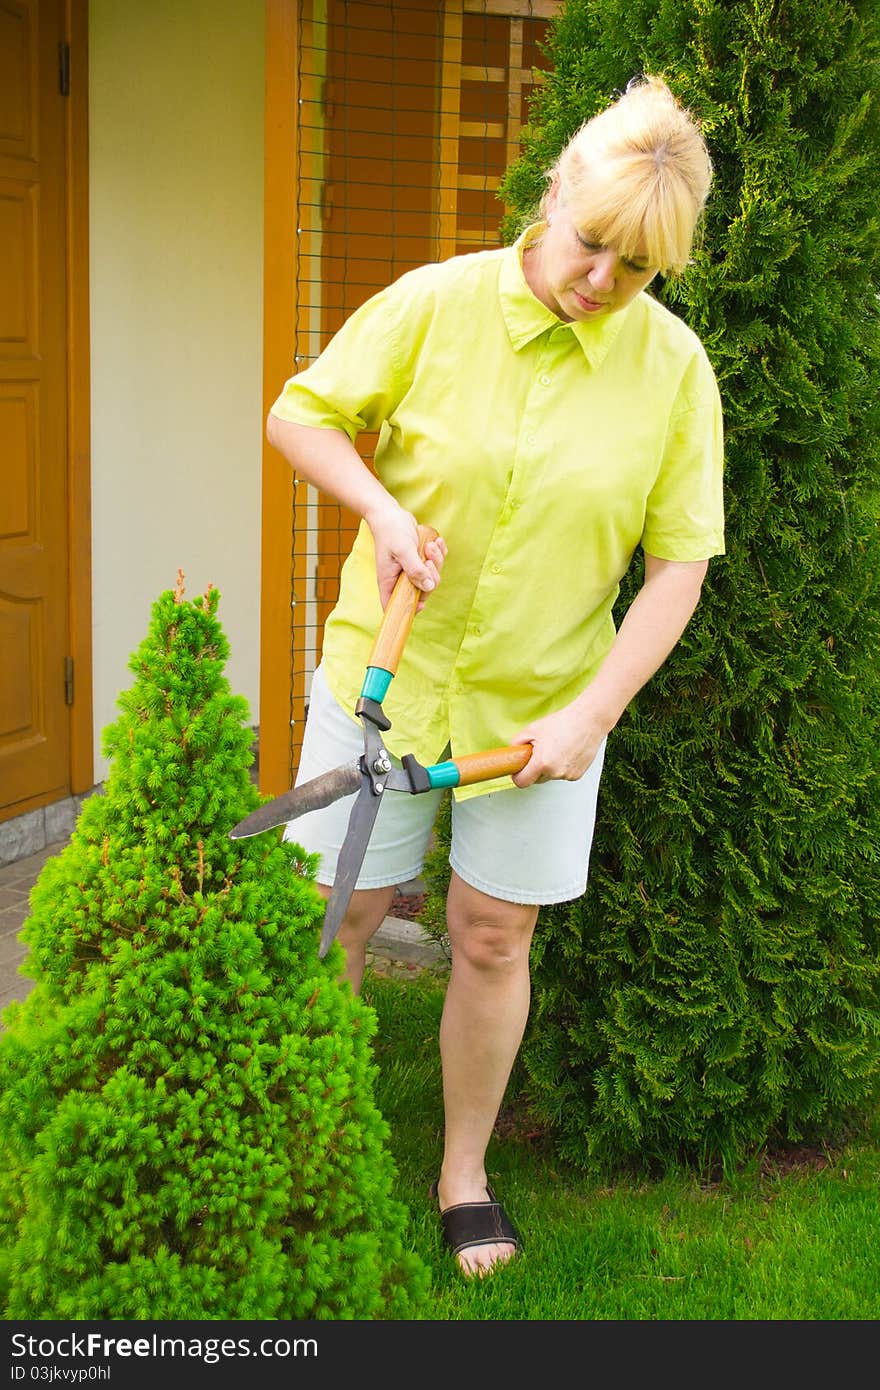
[477,1223]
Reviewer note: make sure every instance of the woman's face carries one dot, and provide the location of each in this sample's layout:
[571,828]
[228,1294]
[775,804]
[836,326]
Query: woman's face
[574,275]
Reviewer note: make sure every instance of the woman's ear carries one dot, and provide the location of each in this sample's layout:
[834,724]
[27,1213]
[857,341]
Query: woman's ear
[552,198]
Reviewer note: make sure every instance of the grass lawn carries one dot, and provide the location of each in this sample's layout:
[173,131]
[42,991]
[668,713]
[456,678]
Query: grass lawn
[789,1241]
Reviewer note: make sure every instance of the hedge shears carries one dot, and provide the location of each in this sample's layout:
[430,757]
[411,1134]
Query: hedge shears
[373,774]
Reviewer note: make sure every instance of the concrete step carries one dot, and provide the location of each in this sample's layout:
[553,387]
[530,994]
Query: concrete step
[398,939]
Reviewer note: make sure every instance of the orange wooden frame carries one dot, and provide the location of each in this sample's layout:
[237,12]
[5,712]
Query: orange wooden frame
[279,300]
[79,391]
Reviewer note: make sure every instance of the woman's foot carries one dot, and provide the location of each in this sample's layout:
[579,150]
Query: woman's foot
[476,1227]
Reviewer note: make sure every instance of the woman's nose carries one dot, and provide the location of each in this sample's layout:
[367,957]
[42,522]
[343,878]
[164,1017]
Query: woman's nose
[602,271]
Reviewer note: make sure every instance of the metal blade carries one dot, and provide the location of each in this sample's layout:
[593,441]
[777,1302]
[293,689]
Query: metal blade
[310,796]
[351,857]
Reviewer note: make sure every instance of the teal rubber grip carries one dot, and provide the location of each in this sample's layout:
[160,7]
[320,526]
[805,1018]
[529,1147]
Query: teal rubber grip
[443,775]
[376,683]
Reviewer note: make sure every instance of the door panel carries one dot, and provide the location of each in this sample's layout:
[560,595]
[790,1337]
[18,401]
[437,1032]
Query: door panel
[34,722]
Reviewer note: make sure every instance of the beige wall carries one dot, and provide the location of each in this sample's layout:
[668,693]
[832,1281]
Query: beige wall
[176,208]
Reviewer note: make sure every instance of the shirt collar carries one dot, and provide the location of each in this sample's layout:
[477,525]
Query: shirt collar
[526,317]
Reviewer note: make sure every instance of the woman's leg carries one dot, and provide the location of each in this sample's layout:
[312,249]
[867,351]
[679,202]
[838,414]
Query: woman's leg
[484,1017]
[366,912]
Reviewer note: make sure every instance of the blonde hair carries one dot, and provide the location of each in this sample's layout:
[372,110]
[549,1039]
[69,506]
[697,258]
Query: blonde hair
[637,175]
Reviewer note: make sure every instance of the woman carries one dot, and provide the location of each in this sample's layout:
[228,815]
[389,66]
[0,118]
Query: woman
[547,417]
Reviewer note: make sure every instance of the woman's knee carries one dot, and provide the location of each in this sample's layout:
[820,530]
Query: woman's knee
[486,932]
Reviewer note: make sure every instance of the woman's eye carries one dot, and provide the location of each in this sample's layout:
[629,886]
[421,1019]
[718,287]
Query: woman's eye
[597,246]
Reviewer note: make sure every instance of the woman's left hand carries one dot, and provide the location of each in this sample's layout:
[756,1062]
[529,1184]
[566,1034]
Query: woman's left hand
[564,745]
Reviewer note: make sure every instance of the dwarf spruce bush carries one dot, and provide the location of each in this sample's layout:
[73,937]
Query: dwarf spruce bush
[187,1123]
[717,988]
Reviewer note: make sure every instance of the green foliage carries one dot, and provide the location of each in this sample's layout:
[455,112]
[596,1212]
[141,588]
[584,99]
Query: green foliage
[187,1121]
[789,1235]
[717,985]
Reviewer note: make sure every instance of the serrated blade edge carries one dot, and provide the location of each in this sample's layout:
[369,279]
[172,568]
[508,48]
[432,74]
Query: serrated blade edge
[309,796]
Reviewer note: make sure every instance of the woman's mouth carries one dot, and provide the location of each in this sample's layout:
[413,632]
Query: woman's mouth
[588,305]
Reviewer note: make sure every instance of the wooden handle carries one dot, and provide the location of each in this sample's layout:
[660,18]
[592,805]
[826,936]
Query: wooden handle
[495,762]
[398,616]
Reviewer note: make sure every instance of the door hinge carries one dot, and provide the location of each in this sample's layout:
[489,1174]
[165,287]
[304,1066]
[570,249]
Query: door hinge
[68,680]
[64,69]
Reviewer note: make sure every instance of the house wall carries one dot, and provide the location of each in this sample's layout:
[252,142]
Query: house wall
[176,98]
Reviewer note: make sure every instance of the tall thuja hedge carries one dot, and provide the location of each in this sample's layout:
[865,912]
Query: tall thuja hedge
[187,1123]
[718,986]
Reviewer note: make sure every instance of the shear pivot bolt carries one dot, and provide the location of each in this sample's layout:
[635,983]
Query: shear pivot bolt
[382,763]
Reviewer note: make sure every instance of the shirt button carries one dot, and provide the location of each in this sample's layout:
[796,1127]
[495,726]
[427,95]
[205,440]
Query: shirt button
[530,439]
[496,569]
[545,381]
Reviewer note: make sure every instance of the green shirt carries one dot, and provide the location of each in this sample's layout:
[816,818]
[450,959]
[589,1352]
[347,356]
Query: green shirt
[544,453]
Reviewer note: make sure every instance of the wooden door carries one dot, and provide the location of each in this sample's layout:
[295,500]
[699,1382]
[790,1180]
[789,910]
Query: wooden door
[34,624]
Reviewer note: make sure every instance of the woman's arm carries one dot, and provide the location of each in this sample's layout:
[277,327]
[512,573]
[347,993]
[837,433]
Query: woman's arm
[565,743]
[328,459]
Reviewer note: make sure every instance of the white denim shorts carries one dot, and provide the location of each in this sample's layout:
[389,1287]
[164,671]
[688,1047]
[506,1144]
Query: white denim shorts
[525,845]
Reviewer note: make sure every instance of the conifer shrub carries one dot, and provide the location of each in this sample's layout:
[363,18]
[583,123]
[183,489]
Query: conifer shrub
[187,1122]
[717,988]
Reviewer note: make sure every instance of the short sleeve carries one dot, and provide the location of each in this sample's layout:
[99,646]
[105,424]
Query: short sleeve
[354,384]
[684,517]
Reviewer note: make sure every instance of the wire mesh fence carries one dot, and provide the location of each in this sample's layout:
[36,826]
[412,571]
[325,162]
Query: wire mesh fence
[407,116]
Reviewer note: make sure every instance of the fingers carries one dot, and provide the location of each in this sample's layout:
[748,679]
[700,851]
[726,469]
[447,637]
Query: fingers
[435,554]
[533,771]
[396,542]
[425,573]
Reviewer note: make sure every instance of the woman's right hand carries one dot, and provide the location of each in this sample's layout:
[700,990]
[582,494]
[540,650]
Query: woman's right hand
[396,542]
